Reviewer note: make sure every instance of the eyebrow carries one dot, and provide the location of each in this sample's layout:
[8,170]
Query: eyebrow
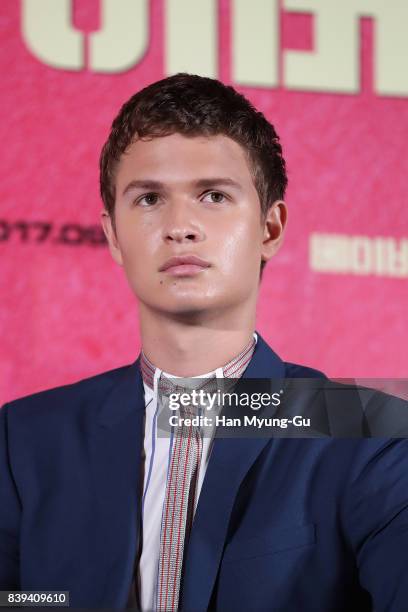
[204,183]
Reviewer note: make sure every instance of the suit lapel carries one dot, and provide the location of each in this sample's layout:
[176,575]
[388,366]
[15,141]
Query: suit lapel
[115,459]
[230,461]
[115,453]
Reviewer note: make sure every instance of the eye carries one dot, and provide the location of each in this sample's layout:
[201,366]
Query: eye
[148,199]
[215,197]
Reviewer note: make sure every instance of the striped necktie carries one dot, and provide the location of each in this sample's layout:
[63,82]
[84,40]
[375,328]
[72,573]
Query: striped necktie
[178,508]
[181,489]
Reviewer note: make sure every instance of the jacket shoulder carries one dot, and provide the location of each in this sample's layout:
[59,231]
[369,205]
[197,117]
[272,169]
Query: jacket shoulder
[294,370]
[90,390]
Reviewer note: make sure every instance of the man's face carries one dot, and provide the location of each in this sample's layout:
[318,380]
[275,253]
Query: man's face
[180,196]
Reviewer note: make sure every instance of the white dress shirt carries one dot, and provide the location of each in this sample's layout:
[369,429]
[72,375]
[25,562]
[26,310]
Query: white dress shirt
[157,453]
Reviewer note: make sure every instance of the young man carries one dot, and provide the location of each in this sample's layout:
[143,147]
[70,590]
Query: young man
[94,501]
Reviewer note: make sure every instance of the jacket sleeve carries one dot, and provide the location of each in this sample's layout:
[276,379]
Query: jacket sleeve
[10,513]
[377,517]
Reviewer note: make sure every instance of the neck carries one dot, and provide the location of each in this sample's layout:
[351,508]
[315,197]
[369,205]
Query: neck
[195,347]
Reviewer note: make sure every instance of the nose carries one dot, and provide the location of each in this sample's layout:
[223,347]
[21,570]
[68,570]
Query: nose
[181,225]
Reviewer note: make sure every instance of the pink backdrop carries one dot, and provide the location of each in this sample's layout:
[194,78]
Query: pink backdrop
[66,311]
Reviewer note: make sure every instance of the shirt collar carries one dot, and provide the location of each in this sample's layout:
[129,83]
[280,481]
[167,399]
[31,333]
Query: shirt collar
[233,369]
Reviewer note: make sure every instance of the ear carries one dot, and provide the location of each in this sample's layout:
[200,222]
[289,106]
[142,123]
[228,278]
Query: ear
[274,228]
[111,237]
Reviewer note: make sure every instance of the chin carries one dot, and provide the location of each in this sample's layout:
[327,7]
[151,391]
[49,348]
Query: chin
[186,308]
[190,307]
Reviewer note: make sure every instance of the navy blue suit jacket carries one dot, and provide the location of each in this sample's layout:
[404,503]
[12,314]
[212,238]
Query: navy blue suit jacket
[282,524]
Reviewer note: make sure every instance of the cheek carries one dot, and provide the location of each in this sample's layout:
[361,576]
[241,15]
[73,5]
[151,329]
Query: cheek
[241,248]
[137,245]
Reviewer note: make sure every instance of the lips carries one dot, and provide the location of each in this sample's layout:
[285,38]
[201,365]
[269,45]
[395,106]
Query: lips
[184,260]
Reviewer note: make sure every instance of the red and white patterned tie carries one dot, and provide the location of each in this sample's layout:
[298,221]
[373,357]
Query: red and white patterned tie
[178,509]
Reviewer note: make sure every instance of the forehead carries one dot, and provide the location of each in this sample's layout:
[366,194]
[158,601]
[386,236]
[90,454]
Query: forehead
[178,158]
